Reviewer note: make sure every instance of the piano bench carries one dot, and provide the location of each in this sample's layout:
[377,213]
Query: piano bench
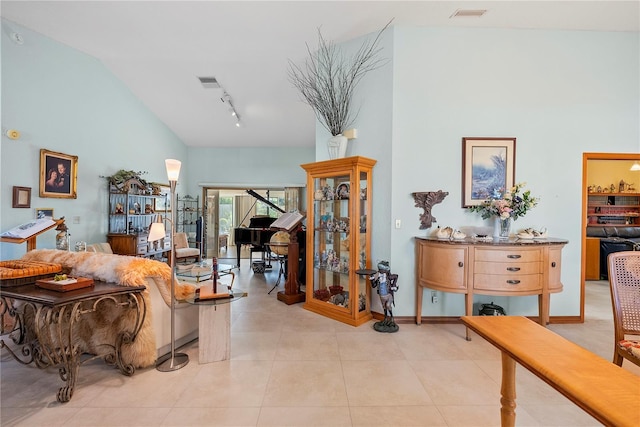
[255,248]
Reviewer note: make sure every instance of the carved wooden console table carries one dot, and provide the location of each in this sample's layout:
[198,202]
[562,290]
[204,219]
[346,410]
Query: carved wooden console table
[46,325]
[513,267]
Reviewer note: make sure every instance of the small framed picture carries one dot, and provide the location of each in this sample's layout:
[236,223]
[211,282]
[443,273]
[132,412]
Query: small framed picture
[342,191]
[163,204]
[44,213]
[488,168]
[21,197]
[58,175]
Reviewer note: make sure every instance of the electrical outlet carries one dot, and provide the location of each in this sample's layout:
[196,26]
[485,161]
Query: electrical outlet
[434,297]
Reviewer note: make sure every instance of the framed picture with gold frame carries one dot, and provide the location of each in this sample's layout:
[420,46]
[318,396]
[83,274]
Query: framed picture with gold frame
[58,175]
[488,168]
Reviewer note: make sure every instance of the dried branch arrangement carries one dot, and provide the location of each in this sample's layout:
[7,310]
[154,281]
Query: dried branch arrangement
[328,79]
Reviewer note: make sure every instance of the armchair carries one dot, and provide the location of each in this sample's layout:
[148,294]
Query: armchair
[183,251]
[624,280]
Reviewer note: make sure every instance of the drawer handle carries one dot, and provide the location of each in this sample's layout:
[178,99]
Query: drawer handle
[460,264]
[553,264]
[513,282]
[514,256]
[513,268]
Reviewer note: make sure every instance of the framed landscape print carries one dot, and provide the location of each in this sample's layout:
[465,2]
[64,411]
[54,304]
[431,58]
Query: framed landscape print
[488,168]
[44,213]
[58,175]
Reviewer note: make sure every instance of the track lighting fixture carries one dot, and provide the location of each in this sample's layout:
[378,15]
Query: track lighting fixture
[226,98]
[213,83]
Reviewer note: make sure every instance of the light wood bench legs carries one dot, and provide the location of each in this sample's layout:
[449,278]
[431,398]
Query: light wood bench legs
[508,392]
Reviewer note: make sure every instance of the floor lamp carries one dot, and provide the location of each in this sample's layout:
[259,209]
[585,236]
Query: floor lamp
[172,361]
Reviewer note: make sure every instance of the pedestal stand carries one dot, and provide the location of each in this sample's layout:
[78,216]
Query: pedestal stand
[291,293]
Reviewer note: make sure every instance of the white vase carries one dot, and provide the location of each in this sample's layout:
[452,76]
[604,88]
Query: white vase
[337,146]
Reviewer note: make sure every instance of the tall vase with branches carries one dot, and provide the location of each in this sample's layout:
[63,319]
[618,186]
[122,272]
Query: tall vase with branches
[328,78]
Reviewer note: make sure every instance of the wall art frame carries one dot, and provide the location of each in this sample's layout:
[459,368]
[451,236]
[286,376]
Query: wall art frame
[44,213]
[488,168]
[58,175]
[21,197]
[163,204]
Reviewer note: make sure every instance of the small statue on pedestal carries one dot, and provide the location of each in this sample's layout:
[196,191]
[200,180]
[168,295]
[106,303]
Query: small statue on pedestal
[387,286]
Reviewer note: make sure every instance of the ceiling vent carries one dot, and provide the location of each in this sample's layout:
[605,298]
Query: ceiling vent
[468,12]
[209,82]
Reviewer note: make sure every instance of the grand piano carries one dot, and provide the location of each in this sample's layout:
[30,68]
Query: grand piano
[258,234]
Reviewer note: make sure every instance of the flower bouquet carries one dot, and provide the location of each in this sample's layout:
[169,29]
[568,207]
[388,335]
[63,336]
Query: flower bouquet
[513,204]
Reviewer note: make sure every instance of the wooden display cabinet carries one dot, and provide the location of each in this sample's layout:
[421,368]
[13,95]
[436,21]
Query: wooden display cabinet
[339,238]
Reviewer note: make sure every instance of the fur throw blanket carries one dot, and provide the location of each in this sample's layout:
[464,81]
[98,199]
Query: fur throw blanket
[103,325]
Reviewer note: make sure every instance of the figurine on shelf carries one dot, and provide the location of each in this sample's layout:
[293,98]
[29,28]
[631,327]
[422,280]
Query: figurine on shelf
[119,208]
[387,286]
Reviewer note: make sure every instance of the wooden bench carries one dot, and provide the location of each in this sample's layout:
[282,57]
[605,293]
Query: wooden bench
[606,391]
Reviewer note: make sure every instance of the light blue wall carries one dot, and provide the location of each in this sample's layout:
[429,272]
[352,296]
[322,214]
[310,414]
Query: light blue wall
[65,101]
[248,166]
[560,93]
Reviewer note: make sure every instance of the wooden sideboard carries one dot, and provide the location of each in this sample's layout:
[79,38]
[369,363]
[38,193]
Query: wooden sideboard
[511,267]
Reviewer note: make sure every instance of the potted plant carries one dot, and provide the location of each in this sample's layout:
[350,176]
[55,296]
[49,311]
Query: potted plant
[327,81]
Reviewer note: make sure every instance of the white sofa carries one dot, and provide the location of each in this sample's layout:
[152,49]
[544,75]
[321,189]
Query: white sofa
[154,338]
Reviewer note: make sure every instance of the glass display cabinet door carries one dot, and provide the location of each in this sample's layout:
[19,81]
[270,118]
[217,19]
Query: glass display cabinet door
[331,241]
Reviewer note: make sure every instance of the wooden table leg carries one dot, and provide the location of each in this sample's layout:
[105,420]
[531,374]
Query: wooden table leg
[419,292]
[508,392]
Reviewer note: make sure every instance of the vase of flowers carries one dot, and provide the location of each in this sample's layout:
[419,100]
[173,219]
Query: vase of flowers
[509,205]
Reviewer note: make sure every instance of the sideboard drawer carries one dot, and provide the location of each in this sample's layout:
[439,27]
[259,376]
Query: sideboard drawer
[512,283]
[507,267]
[510,255]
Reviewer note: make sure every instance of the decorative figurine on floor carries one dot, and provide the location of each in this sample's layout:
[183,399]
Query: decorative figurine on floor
[387,286]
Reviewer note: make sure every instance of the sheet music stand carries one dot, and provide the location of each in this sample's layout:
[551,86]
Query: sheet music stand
[291,222]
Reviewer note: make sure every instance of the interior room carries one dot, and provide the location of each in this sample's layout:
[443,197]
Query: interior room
[111,90]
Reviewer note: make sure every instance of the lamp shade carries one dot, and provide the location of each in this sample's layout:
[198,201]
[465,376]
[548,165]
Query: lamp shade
[635,167]
[173,169]
[156,231]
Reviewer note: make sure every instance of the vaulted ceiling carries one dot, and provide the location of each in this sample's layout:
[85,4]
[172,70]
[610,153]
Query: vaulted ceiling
[159,48]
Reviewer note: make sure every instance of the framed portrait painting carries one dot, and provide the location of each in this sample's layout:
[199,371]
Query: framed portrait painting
[488,168]
[58,175]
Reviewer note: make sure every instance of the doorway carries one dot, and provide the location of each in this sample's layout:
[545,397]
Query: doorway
[606,179]
[226,209]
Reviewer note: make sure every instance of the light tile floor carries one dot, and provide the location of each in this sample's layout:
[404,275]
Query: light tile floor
[291,367]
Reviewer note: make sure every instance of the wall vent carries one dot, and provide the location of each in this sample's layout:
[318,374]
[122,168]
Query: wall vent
[468,12]
[209,82]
